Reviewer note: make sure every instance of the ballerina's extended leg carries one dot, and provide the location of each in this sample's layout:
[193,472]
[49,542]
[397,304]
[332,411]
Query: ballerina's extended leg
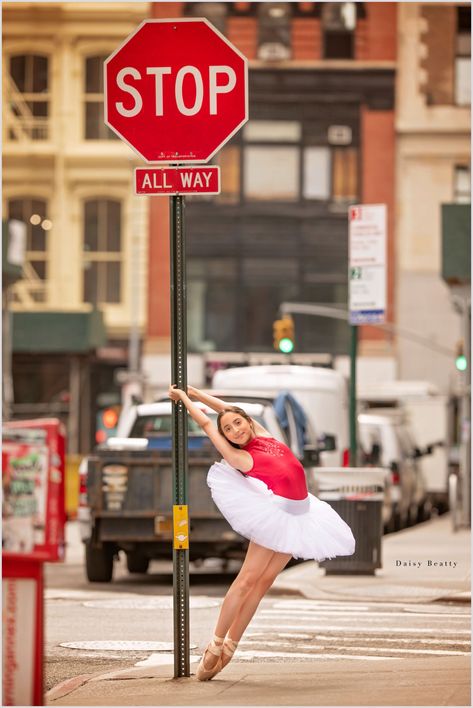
[250,604]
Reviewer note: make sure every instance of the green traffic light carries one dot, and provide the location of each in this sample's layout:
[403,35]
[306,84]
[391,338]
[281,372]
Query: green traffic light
[461,363]
[286,345]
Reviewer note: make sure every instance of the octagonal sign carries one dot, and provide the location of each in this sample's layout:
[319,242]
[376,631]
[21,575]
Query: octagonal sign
[176,90]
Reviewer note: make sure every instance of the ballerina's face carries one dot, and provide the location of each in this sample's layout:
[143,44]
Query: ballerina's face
[236,429]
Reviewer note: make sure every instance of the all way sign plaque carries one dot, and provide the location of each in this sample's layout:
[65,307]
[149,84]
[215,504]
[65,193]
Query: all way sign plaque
[177,180]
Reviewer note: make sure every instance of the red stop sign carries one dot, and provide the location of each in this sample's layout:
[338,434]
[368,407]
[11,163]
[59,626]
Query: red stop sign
[176,90]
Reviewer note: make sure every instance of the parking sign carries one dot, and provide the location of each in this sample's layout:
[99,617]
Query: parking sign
[367,264]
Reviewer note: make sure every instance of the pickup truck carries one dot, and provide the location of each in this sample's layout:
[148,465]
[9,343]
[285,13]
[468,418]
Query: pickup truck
[126,490]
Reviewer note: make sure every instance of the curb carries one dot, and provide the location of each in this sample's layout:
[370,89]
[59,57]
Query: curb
[462,598]
[68,685]
[326,594]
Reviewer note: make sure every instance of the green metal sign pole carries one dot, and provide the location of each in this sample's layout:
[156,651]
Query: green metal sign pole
[352,412]
[179,437]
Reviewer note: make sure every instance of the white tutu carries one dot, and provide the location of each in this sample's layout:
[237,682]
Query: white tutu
[308,528]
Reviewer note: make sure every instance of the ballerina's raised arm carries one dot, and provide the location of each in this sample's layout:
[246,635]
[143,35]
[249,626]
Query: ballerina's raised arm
[237,425]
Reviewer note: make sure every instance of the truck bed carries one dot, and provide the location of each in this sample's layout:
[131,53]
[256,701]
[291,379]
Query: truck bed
[130,498]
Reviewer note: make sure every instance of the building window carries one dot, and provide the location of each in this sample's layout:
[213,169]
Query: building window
[345,174]
[102,258]
[271,160]
[213,303]
[266,283]
[34,213]
[274,31]
[215,12]
[229,161]
[271,173]
[338,25]
[28,97]
[271,131]
[331,174]
[94,126]
[317,173]
[463,57]
[462,184]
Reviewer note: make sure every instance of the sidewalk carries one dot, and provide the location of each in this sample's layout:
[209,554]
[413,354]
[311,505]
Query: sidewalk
[432,541]
[388,682]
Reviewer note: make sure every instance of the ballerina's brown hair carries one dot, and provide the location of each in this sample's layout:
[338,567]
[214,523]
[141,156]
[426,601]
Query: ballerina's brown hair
[239,411]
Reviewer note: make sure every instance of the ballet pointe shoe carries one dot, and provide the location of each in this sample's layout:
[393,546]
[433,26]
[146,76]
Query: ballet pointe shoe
[229,648]
[214,647]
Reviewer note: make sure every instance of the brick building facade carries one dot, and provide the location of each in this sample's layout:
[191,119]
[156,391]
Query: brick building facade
[320,137]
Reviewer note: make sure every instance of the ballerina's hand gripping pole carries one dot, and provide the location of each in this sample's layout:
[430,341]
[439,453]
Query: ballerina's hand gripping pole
[260,488]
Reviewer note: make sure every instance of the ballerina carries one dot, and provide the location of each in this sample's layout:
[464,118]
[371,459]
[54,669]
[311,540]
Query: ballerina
[260,488]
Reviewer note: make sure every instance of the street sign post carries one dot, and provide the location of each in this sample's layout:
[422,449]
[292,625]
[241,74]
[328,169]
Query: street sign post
[176,90]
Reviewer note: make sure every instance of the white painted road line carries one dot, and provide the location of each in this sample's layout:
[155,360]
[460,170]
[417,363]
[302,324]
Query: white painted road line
[350,647]
[393,650]
[250,655]
[303,614]
[398,640]
[344,628]
[317,604]
[266,643]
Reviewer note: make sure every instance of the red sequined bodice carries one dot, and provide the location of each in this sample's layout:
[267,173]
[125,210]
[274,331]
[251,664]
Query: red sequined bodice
[276,466]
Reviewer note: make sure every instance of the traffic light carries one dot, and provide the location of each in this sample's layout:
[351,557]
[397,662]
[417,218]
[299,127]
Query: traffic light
[106,423]
[461,361]
[283,334]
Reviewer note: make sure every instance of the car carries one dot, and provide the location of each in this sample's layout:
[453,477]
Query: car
[428,414]
[153,421]
[386,439]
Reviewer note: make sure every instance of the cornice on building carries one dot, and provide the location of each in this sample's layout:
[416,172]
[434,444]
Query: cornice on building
[74,11]
[324,65]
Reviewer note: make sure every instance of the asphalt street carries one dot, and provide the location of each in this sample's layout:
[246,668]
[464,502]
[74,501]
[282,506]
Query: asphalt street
[97,628]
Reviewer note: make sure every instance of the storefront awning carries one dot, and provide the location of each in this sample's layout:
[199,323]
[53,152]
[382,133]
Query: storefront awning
[58,332]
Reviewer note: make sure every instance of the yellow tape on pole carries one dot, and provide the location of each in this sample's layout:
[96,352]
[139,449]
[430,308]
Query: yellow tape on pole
[181,526]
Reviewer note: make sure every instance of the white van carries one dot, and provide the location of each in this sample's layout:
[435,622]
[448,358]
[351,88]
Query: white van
[323,394]
[426,411]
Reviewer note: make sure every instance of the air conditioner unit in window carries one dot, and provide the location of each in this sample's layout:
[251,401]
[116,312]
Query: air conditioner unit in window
[339,135]
[273,51]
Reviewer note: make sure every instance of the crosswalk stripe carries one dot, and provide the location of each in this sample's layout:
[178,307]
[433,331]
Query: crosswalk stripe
[319,604]
[393,650]
[398,640]
[344,628]
[350,647]
[308,615]
[364,637]
[270,643]
[290,635]
[250,655]
[331,638]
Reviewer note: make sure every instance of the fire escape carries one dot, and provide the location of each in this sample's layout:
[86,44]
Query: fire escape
[21,127]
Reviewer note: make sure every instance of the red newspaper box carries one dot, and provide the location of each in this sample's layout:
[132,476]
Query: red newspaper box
[33,515]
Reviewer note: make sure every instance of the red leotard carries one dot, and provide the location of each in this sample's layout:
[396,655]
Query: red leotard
[275,465]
